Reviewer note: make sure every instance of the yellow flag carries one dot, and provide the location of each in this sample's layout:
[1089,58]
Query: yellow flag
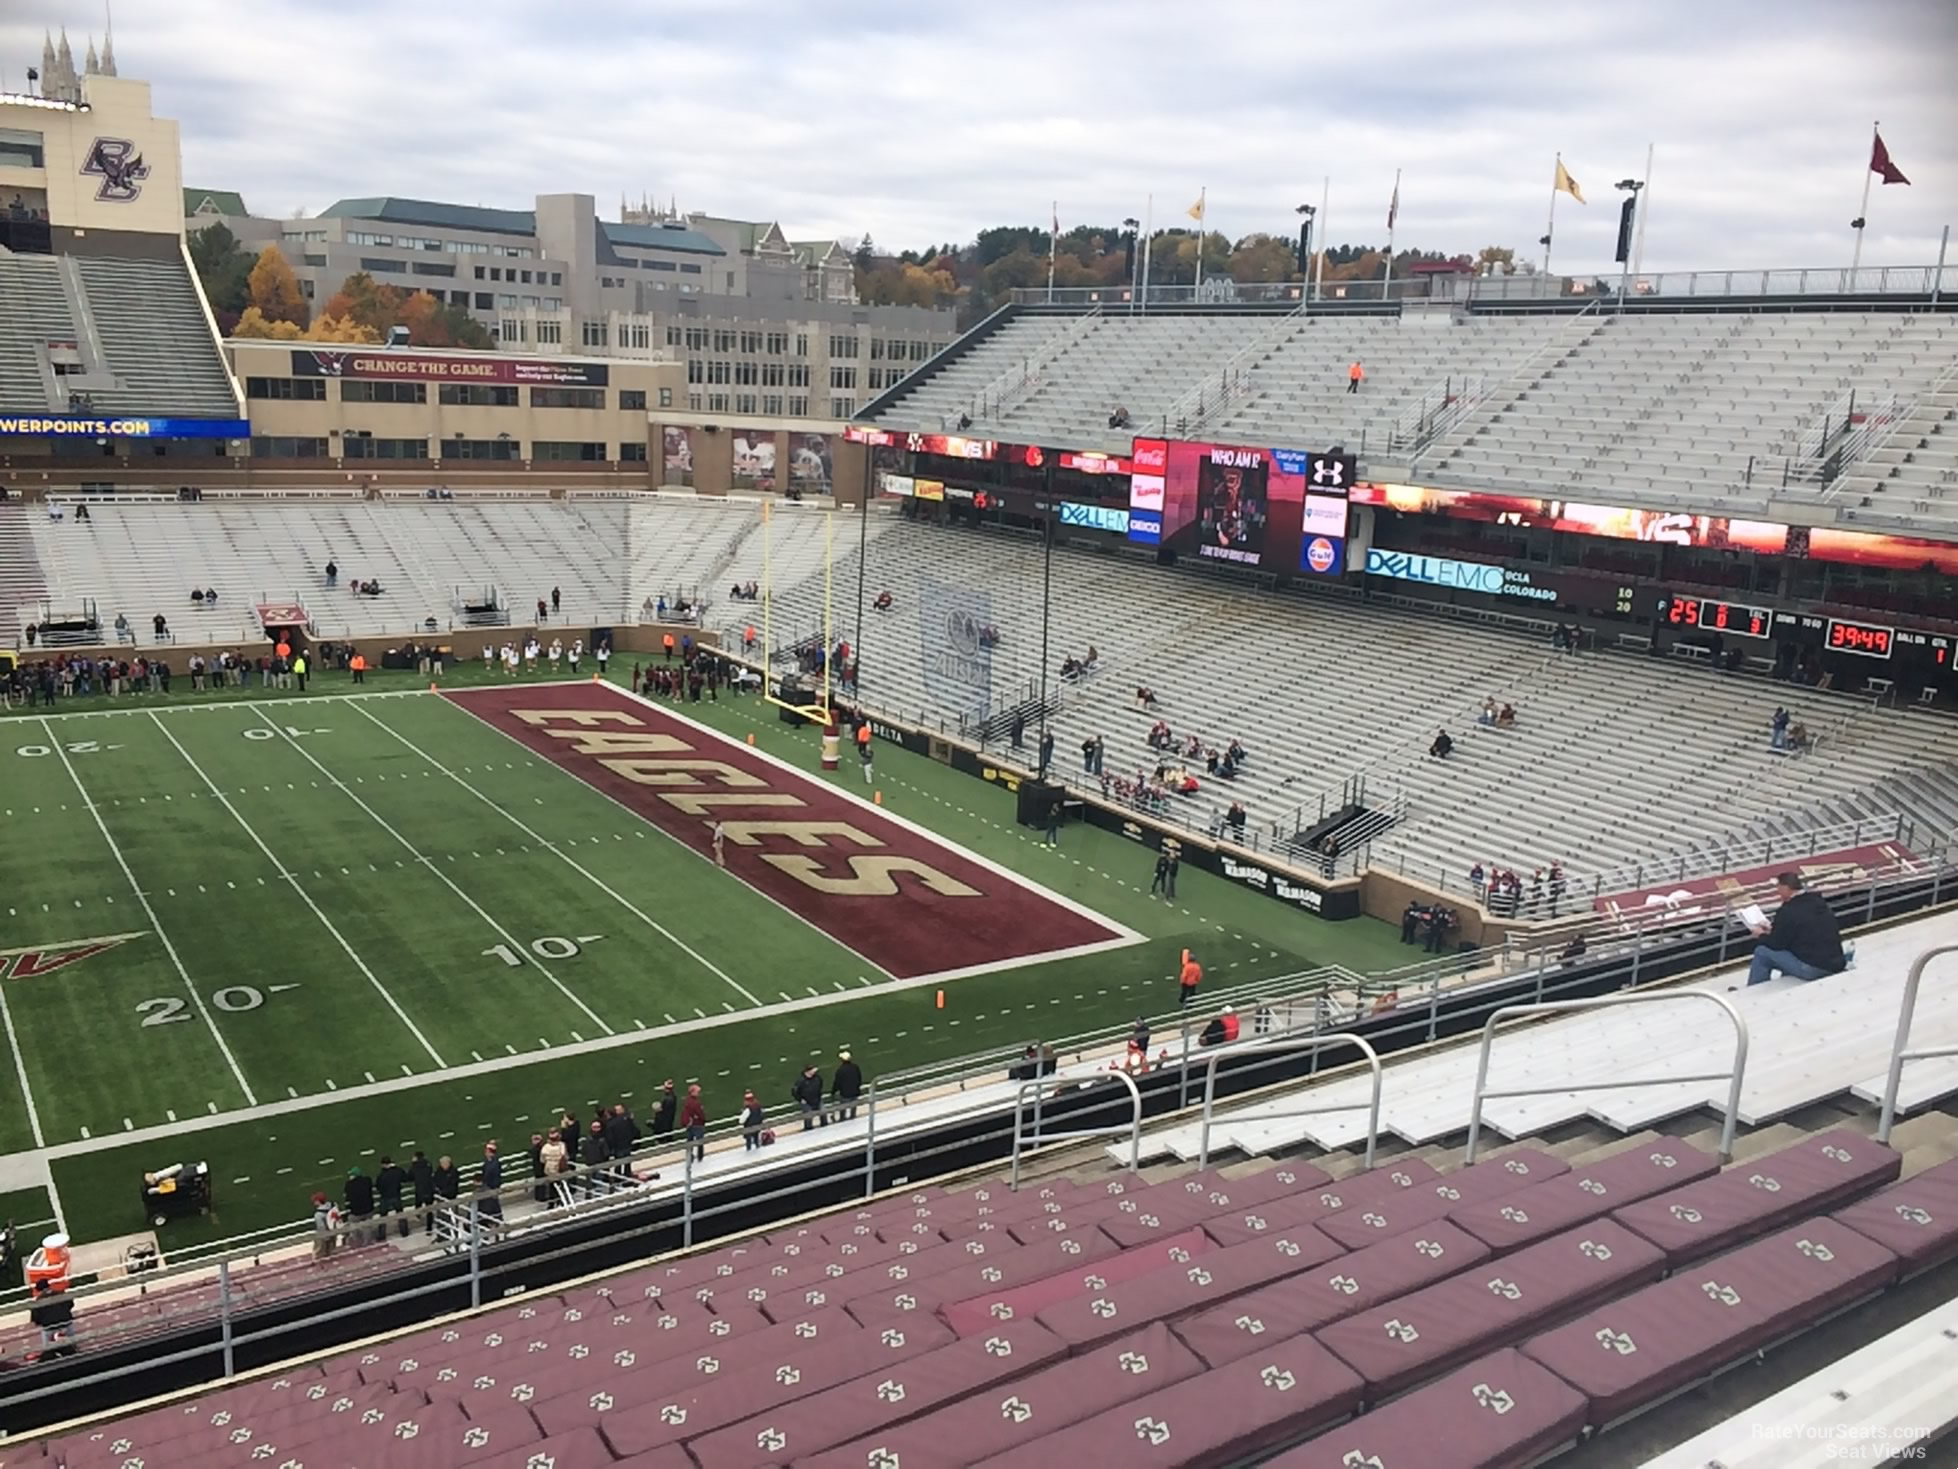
[1195,211]
[1567,183]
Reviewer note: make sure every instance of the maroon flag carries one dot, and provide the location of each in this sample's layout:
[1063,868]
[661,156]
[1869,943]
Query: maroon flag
[1880,164]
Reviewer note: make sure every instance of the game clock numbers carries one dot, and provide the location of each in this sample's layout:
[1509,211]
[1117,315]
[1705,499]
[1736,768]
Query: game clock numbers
[1860,637]
[1748,622]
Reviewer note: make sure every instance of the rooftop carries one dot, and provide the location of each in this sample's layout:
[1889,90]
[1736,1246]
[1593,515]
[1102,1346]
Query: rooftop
[434,215]
[660,236]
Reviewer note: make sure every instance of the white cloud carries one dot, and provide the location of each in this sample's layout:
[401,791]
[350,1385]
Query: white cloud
[858,115]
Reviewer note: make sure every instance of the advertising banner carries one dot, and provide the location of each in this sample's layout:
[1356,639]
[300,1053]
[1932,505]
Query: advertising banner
[953,620]
[427,366]
[1095,517]
[754,457]
[677,447]
[74,425]
[1466,576]
[811,463]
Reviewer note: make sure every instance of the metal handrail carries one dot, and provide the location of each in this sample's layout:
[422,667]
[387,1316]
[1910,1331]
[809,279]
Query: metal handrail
[1004,391]
[1552,1007]
[1583,325]
[1900,414]
[1899,1053]
[1134,1129]
[1312,1043]
[1189,413]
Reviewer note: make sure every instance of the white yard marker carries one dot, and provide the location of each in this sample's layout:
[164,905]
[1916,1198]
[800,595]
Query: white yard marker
[409,847]
[577,866]
[20,1070]
[304,896]
[251,1098]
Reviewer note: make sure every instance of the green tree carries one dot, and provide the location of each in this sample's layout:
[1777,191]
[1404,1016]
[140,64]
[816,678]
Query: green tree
[275,289]
[223,269]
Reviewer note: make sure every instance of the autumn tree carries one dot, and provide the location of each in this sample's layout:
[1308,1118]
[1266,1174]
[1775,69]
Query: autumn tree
[255,323]
[1499,258]
[275,289]
[341,329]
[365,300]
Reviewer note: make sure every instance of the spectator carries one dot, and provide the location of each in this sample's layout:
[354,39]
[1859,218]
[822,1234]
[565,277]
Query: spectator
[1488,714]
[489,1208]
[1803,940]
[621,1134]
[326,1225]
[389,1183]
[1056,809]
[448,1180]
[332,574]
[1118,417]
[552,1159]
[1441,746]
[846,1086]
[883,603]
[557,599]
[693,1117]
[1798,738]
[808,1093]
[53,1312]
[1477,877]
[1221,1030]
[161,627]
[1778,730]
[1440,920]
[752,1122]
[1506,717]
[359,1194]
[1164,881]
[1355,375]
[1234,819]
[1187,981]
[1046,752]
[422,1175]
[664,1113]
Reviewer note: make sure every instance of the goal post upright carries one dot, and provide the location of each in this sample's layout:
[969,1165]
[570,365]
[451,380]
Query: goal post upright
[819,711]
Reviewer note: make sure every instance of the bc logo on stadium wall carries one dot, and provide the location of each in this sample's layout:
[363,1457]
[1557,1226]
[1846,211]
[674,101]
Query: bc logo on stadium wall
[120,166]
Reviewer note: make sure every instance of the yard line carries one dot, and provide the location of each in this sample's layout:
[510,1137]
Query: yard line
[415,852]
[156,923]
[20,1070]
[304,896]
[577,866]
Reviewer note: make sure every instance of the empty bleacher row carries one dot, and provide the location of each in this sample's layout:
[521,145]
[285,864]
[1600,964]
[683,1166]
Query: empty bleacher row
[1702,408]
[1408,1314]
[131,337]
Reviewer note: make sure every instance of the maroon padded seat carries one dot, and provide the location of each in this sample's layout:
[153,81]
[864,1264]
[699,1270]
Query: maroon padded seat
[1341,1196]
[671,1456]
[487,1334]
[812,1424]
[16,1455]
[1655,1341]
[1497,1412]
[224,1428]
[645,1335]
[1216,1418]
[1170,1291]
[1749,1199]
[982,1312]
[1016,1413]
[820,1265]
[113,1442]
[1121,1197]
[582,1448]
[563,1399]
[1014,1265]
[1508,1174]
[1401,1342]
[1541,1210]
[810,1367]
[1349,1283]
[1917,1219]
[1013,1208]
[1207,1198]
[345,1438]
[481,1437]
[912,1269]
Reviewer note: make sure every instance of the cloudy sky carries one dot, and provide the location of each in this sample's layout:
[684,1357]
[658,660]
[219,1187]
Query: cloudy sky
[921,122]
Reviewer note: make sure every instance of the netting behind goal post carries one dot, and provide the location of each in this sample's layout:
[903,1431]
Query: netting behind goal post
[797,694]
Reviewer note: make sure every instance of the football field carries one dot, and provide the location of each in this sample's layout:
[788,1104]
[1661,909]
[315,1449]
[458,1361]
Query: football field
[290,934]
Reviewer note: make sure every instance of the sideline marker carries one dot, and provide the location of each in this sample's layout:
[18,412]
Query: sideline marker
[751,739]
[941,999]
[431,688]
[877,798]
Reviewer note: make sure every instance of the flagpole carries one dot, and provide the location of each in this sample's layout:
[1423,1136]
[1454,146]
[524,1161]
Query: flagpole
[1644,209]
[1319,266]
[1863,213]
[1053,249]
[1393,214]
[1550,227]
[1203,195]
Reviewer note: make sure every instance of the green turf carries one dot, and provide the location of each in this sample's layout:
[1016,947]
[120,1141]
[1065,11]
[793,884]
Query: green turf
[371,882]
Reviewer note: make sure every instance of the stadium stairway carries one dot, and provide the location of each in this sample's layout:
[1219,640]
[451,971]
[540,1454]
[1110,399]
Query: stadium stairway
[155,338]
[20,573]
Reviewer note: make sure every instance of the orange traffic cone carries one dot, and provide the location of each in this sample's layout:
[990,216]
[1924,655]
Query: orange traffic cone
[751,739]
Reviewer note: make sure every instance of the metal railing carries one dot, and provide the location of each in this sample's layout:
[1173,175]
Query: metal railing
[1483,1091]
[1728,854]
[1901,1052]
[1037,1086]
[1014,384]
[1190,412]
[1879,433]
[1313,1042]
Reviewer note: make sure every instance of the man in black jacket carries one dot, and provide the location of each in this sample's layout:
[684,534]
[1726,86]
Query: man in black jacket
[663,1115]
[422,1173]
[360,1204]
[808,1092]
[389,1183]
[846,1086]
[1803,940]
[448,1180]
[621,1132]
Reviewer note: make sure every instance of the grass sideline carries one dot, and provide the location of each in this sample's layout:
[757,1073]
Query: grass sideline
[265,1168]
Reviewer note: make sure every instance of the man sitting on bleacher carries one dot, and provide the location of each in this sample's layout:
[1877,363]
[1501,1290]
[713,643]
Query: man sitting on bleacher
[1803,940]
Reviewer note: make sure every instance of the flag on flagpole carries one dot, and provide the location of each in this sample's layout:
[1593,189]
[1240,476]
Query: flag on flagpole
[1394,204]
[1881,165]
[1195,211]
[1057,219]
[1565,184]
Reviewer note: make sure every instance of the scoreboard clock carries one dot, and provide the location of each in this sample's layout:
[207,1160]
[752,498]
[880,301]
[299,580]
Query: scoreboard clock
[1711,616]
[1867,638]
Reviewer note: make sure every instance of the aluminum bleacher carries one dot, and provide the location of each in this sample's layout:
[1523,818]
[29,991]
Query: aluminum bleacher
[34,310]
[1420,1314]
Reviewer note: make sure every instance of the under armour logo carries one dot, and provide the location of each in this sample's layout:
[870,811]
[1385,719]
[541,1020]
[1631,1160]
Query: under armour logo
[1070,1247]
[1821,1253]
[342,1405]
[1492,1398]
[707,1365]
[1505,1289]
[1152,1431]
[522,1392]
[1150,1221]
[244,1435]
[905,1302]
[805,1330]
[1401,1331]
[578,1352]
[975,1247]
[1332,1201]
[1592,1250]
[1514,1215]
[408,1429]
[1094,1282]
[1516,1165]
[815,1297]
[1401,1180]
[778,1270]
[1453,1195]
[899,1272]
[1001,1311]
[1250,1325]
[714,1328]
[1253,1221]
[624,1358]
[1285,1247]
[484,1384]
[219,1420]
[881,1458]
[1726,1295]
[1015,1410]
[1278,1379]
[1179,1256]
[992,1274]
[541,1461]
[1328,471]
[1373,1221]
[1616,1341]
[1133,1362]
[1354,1459]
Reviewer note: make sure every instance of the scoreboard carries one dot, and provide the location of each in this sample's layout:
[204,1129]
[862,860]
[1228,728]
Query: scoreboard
[1835,634]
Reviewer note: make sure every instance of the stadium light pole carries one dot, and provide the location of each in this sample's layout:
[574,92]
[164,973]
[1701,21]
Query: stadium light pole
[1132,225]
[1632,187]
[1046,590]
[863,555]
[1305,213]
